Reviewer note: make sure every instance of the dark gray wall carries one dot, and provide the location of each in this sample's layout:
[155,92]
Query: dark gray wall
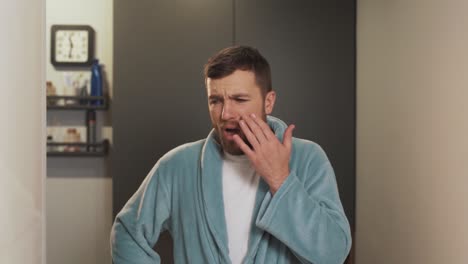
[311,48]
[159,95]
[159,102]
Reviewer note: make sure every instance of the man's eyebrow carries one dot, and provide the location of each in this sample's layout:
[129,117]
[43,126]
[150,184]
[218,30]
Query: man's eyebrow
[239,95]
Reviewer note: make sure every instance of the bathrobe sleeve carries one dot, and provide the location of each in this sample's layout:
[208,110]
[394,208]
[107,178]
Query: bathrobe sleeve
[137,227]
[307,216]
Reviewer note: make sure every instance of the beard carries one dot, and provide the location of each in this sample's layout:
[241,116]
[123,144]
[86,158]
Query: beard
[231,147]
[226,140]
[225,131]
[232,127]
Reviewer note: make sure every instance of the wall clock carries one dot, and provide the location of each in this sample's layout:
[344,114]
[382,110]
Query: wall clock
[72,45]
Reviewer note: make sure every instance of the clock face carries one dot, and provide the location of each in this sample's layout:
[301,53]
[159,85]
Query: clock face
[72,45]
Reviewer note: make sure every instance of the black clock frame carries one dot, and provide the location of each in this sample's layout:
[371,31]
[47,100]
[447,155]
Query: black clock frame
[87,63]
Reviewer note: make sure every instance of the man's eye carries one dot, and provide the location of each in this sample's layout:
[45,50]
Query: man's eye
[214,101]
[240,100]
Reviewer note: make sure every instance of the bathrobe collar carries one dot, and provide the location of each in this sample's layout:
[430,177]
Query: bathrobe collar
[211,188]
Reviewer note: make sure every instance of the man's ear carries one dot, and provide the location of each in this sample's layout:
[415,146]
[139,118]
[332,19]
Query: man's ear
[270,99]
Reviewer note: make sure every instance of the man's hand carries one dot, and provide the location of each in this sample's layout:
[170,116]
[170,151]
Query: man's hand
[268,155]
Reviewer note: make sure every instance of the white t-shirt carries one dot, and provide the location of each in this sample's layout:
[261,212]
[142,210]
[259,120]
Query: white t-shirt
[240,182]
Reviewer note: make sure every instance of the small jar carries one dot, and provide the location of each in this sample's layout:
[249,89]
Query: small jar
[51,91]
[72,136]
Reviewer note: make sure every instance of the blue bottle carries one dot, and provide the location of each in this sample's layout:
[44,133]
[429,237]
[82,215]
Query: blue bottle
[96,82]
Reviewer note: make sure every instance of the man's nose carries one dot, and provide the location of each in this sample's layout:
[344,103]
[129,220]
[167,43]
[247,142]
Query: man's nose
[227,112]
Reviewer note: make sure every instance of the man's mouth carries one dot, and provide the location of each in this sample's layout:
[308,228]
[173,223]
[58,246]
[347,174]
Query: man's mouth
[229,130]
[232,130]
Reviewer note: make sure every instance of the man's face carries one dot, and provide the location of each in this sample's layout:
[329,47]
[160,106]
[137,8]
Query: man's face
[231,97]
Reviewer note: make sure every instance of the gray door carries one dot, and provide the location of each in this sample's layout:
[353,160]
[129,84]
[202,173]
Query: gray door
[311,48]
[159,97]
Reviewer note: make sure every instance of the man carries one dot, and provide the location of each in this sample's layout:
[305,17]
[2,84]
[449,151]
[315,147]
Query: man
[248,193]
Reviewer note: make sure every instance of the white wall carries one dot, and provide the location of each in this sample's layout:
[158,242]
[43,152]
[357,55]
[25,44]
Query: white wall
[412,138]
[79,190]
[97,14]
[22,126]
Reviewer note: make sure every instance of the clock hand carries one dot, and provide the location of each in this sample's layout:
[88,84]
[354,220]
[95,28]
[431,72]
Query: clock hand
[71,47]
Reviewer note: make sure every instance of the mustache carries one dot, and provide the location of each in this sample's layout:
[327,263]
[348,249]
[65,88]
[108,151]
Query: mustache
[231,125]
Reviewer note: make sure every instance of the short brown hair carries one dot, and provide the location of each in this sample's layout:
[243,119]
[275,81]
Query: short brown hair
[245,58]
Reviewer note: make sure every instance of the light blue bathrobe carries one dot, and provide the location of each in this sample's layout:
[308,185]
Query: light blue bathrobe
[303,222]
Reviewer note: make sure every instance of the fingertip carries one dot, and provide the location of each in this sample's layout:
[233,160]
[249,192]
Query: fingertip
[238,140]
